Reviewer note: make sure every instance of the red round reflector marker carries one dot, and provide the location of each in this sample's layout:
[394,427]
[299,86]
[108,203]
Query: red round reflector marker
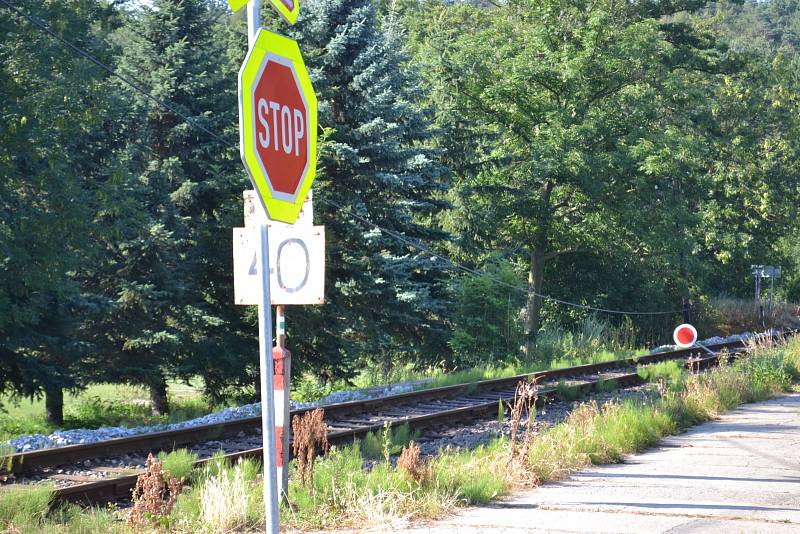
[685,335]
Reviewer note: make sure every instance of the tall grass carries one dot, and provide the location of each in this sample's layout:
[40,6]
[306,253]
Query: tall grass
[178,464]
[593,341]
[24,508]
[725,316]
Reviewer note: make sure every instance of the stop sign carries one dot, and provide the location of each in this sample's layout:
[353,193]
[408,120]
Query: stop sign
[278,124]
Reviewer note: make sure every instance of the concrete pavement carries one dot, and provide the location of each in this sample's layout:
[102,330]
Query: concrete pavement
[738,474]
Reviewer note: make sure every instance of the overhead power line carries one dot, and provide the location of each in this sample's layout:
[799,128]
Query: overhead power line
[124,78]
[131,82]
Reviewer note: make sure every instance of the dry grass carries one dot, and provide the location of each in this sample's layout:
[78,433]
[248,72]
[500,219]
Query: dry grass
[348,492]
[310,436]
[727,316]
[225,500]
[525,398]
[413,467]
[154,496]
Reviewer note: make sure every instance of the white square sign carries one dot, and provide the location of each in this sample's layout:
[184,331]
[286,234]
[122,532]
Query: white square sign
[296,259]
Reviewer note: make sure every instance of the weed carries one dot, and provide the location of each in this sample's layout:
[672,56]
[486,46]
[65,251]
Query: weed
[310,436]
[400,436]
[24,508]
[567,392]
[412,467]
[501,412]
[606,386]
[669,375]
[153,496]
[6,462]
[525,398]
[388,442]
[371,446]
[178,464]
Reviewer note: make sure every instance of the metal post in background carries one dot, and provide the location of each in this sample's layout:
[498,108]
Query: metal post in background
[282,360]
[253,21]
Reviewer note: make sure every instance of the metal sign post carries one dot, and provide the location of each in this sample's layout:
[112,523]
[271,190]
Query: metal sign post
[278,146]
[265,342]
[267,388]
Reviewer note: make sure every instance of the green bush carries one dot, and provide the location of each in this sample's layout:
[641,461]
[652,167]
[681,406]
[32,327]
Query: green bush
[487,325]
[567,392]
[768,373]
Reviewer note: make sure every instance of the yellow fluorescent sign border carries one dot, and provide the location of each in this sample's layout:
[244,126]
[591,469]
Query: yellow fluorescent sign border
[290,15]
[236,5]
[267,42]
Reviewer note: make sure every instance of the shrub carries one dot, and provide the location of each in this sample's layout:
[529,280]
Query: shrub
[310,437]
[153,496]
[411,465]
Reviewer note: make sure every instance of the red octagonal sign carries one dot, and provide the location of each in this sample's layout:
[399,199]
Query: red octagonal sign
[281,119]
[278,124]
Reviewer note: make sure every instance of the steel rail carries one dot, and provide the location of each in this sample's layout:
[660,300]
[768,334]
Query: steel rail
[118,488]
[113,489]
[28,462]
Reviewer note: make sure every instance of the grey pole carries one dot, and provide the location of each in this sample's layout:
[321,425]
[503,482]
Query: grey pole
[265,342]
[253,21]
[267,388]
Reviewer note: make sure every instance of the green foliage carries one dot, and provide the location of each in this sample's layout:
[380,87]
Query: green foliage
[387,442]
[487,327]
[593,341]
[567,392]
[670,373]
[344,493]
[54,154]
[630,156]
[100,405]
[178,464]
[371,446]
[606,386]
[25,507]
[390,301]
[768,373]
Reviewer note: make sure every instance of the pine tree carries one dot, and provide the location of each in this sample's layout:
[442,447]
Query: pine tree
[173,188]
[385,299]
[53,147]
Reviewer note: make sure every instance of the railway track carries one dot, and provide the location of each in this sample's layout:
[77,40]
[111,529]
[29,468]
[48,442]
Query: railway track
[421,410]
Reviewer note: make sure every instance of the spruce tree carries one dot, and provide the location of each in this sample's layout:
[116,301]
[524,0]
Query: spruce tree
[384,299]
[173,188]
[53,149]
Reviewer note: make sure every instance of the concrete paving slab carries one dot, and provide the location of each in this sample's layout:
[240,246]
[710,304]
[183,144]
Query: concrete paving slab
[738,474]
